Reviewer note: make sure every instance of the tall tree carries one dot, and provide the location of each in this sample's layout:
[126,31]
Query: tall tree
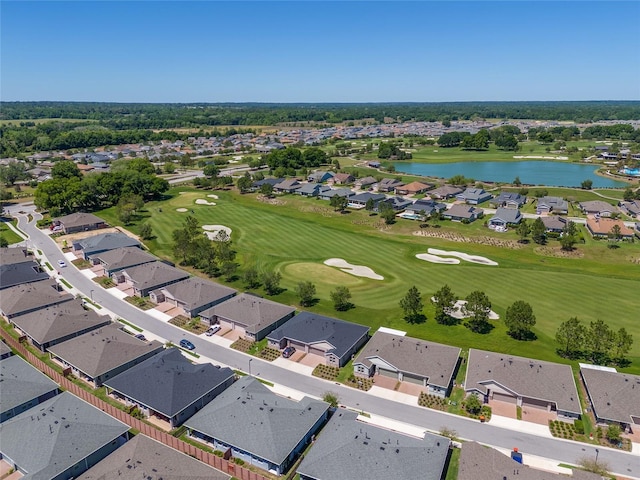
[306,291]
[622,343]
[387,212]
[341,297]
[538,231]
[244,183]
[412,306]
[519,320]
[570,337]
[251,277]
[477,308]
[600,341]
[444,301]
[271,281]
[523,230]
[65,169]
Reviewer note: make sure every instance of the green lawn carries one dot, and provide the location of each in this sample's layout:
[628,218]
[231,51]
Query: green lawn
[9,235]
[297,237]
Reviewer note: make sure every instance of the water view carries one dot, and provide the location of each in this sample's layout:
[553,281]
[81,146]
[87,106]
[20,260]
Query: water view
[555,174]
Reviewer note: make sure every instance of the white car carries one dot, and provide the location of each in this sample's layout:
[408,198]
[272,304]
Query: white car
[212,330]
[61,263]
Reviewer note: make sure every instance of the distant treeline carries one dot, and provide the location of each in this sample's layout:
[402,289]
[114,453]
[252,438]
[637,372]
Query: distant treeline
[157,116]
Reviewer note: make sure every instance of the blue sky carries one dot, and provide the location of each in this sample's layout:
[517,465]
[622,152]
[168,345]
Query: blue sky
[333,51]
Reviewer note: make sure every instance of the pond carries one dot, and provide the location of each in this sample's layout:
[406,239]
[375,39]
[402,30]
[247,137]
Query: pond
[553,174]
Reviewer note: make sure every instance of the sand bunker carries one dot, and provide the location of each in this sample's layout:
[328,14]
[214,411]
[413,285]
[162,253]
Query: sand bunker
[181,210]
[213,195]
[436,259]
[202,201]
[458,311]
[218,233]
[357,270]
[463,256]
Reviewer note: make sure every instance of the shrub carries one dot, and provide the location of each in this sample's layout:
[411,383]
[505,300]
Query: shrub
[579,426]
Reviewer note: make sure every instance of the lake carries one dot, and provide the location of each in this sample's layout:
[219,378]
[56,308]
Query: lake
[553,174]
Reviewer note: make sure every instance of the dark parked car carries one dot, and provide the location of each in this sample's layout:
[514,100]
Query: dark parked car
[140,336]
[287,352]
[184,343]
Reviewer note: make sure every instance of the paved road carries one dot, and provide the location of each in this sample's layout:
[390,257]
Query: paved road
[569,452]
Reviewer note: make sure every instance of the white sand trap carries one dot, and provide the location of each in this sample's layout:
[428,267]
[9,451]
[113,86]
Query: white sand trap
[181,210]
[357,270]
[463,256]
[202,201]
[218,233]
[435,259]
[213,195]
[459,313]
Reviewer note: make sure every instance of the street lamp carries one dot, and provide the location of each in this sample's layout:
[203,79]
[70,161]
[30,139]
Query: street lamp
[597,452]
[250,366]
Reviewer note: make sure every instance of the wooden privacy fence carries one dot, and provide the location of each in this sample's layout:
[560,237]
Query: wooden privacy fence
[210,459]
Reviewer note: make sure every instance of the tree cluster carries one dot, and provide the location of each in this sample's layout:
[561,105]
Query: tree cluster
[477,141]
[595,342]
[292,158]
[452,139]
[393,151]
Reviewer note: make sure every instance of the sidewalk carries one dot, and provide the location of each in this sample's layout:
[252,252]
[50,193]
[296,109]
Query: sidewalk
[520,426]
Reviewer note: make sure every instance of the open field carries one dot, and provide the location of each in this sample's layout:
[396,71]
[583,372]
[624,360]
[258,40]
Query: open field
[297,237]
[8,234]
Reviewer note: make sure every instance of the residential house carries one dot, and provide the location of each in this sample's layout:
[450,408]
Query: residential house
[5,350]
[631,208]
[602,227]
[257,426]
[373,164]
[508,200]
[360,200]
[29,297]
[253,317]
[169,387]
[23,387]
[335,340]
[445,192]
[461,212]
[598,207]
[287,186]
[14,255]
[365,183]
[102,354]
[17,273]
[614,397]
[412,188]
[142,456]
[554,223]
[149,276]
[311,189]
[423,208]
[341,179]
[78,222]
[479,462]
[505,216]
[336,192]
[113,261]
[554,205]
[91,246]
[389,184]
[271,181]
[193,295]
[405,359]
[524,382]
[319,177]
[58,323]
[69,434]
[348,448]
[397,203]
[474,196]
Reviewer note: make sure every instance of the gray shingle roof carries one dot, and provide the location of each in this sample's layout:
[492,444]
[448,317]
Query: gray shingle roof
[58,321]
[552,382]
[554,222]
[461,210]
[79,219]
[310,328]
[9,256]
[196,292]
[597,206]
[63,430]
[353,450]
[152,274]
[142,456]
[28,296]
[508,215]
[554,203]
[478,462]
[19,273]
[410,355]
[337,192]
[250,417]
[124,257]
[102,350]
[446,191]
[614,396]
[365,196]
[253,312]
[106,241]
[20,382]
[168,382]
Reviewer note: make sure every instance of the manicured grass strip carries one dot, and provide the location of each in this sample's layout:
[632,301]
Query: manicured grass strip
[454,463]
[88,300]
[9,235]
[129,324]
[65,283]
[48,265]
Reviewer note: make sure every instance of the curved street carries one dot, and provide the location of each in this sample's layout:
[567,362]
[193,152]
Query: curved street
[564,451]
